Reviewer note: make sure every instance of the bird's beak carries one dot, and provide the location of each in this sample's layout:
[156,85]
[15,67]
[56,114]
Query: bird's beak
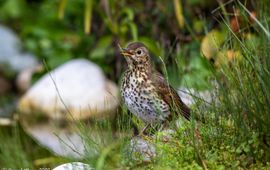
[126,53]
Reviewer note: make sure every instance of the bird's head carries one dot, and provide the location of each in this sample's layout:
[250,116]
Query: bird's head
[136,55]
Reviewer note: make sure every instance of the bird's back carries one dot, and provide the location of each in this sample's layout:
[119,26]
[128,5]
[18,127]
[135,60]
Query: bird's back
[170,96]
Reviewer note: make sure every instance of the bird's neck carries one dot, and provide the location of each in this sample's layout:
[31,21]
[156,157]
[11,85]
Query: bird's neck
[144,68]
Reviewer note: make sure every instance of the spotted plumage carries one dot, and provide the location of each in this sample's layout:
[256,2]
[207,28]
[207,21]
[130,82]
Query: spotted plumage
[145,92]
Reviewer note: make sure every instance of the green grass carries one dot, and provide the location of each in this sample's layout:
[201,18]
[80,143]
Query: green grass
[235,134]
[19,150]
[12,152]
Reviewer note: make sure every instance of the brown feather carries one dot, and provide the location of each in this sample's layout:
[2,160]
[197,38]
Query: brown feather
[170,96]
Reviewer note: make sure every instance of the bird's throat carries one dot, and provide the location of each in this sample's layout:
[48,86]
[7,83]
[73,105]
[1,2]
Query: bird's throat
[141,68]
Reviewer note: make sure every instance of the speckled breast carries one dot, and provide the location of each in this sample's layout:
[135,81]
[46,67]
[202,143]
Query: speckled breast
[141,98]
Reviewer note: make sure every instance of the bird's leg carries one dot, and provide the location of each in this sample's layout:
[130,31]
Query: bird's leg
[143,130]
[135,129]
[164,125]
[133,125]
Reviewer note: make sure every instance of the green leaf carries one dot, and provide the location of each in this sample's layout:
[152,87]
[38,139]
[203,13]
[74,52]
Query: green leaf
[198,75]
[58,58]
[134,31]
[129,14]
[101,48]
[13,8]
[211,43]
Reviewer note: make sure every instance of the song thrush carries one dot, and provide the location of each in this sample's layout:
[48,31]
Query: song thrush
[147,93]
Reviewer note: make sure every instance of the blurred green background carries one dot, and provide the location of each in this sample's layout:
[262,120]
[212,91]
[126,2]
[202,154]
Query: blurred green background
[193,42]
[57,31]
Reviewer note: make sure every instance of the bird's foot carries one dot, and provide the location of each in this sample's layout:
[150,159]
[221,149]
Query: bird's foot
[143,131]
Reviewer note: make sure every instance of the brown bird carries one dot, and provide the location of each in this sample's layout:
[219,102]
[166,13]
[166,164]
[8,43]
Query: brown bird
[147,93]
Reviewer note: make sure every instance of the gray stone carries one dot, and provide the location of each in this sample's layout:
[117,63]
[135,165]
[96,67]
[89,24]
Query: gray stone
[10,52]
[9,44]
[141,150]
[72,140]
[190,96]
[62,141]
[22,61]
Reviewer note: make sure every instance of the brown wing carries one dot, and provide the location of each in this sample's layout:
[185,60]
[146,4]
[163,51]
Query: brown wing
[170,96]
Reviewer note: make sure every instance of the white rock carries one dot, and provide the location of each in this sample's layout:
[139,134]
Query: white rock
[10,54]
[73,166]
[75,90]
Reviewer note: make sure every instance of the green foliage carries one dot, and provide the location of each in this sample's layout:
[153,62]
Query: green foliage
[245,96]
[12,154]
[54,31]
[235,134]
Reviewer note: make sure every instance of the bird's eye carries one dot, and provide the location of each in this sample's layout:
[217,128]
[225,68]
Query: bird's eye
[139,52]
